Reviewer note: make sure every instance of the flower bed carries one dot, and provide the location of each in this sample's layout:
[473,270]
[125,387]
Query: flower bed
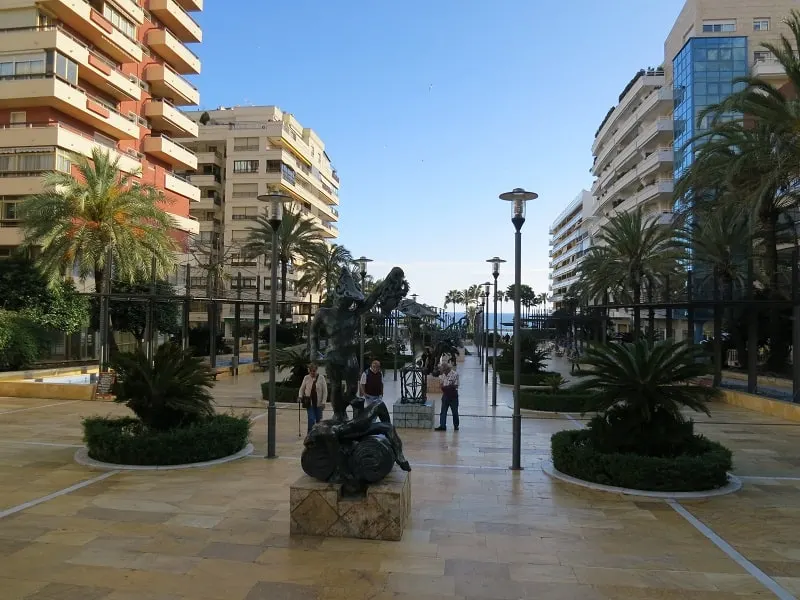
[127,441]
[703,465]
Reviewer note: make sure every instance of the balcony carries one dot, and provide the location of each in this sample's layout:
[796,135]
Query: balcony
[165,117]
[97,30]
[175,18]
[656,160]
[206,180]
[170,151]
[172,50]
[187,224]
[191,4]
[21,91]
[211,158]
[769,69]
[66,137]
[167,83]
[182,187]
[96,69]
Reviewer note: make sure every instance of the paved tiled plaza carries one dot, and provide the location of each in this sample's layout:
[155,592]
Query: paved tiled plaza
[478,530]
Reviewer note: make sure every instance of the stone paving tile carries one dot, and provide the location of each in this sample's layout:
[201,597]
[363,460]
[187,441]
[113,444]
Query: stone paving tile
[477,530]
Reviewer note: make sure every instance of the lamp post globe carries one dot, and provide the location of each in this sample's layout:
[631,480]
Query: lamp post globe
[274,211]
[518,197]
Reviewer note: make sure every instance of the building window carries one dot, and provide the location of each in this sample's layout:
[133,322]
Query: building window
[22,65]
[274,166]
[239,260]
[248,283]
[719,26]
[762,56]
[245,190]
[118,21]
[761,25]
[198,282]
[245,166]
[66,69]
[287,173]
[18,118]
[245,213]
[245,144]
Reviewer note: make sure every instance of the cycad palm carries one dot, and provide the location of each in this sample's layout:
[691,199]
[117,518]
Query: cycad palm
[297,238]
[632,250]
[322,267]
[76,220]
[645,379]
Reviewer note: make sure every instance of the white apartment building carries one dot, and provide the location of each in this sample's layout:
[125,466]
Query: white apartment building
[244,152]
[633,154]
[569,241]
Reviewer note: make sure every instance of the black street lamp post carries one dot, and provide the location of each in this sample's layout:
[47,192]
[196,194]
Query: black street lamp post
[518,197]
[275,202]
[486,332]
[362,267]
[496,262]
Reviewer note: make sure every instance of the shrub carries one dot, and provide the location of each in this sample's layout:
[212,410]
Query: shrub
[128,441]
[284,392]
[172,392]
[22,341]
[704,465]
[507,377]
[549,402]
[296,361]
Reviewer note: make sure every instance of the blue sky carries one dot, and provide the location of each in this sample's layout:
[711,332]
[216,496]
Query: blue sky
[430,109]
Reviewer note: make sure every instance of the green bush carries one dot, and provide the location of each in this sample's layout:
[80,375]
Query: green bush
[703,465]
[285,392]
[558,402]
[507,377]
[22,341]
[127,441]
[170,392]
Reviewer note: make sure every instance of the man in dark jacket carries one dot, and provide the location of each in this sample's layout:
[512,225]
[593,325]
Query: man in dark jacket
[371,384]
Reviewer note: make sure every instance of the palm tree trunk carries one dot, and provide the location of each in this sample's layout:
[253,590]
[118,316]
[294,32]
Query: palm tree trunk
[778,343]
[99,275]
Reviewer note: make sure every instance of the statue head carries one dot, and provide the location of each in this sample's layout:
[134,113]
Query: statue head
[347,292]
[394,289]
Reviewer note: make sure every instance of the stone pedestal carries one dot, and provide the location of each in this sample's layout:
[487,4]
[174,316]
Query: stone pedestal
[317,508]
[412,416]
[434,385]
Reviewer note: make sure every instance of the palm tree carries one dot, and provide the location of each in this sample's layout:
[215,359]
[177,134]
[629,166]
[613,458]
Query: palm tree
[644,381]
[78,220]
[633,252]
[453,297]
[297,238]
[322,267]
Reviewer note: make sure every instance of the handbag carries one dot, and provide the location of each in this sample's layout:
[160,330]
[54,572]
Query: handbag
[306,400]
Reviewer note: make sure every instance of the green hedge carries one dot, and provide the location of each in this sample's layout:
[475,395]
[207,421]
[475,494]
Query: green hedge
[558,402]
[507,377]
[126,441]
[283,392]
[704,466]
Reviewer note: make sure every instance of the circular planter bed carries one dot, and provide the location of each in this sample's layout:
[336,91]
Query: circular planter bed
[126,441]
[703,466]
[507,377]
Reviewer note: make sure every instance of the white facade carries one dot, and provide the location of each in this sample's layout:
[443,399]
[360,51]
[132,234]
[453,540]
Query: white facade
[569,241]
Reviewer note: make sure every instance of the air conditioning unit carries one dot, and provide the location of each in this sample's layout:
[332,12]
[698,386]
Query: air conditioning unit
[132,117]
[133,79]
[144,85]
[144,123]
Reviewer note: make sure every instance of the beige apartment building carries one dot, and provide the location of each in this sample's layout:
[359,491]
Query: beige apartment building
[81,74]
[244,152]
[568,244]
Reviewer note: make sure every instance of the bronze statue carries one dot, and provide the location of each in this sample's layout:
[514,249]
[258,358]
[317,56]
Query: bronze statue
[362,450]
[341,323]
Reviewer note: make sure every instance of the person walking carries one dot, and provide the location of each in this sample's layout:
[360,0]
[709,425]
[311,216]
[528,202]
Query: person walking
[313,394]
[371,385]
[449,383]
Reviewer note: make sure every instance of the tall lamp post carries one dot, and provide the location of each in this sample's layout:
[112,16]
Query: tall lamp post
[485,326]
[275,202]
[496,262]
[479,332]
[362,262]
[518,197]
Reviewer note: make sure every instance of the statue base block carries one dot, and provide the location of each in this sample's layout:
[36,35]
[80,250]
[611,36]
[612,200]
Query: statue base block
[318,508]
[412,416]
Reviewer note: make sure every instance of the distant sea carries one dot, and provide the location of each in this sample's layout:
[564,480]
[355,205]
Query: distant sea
[505,321]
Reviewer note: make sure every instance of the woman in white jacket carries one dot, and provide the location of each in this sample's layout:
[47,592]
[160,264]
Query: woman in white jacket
[313,394]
